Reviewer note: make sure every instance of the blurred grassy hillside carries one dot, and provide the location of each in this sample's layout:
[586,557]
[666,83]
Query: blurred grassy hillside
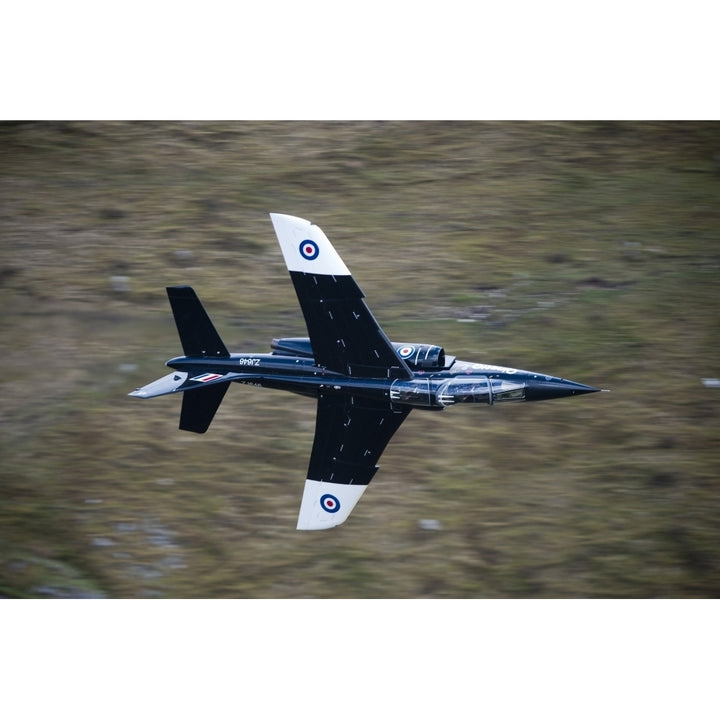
[587,250]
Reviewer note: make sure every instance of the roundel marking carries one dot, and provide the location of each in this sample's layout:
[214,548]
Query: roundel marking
[309,249]
[406,351]
[329,503]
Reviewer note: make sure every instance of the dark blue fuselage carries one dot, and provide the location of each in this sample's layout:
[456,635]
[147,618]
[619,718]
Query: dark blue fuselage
[431,389]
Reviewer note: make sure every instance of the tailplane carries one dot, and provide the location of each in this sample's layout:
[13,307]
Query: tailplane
[198,335]
[203,392]
[199,338]
[199,407]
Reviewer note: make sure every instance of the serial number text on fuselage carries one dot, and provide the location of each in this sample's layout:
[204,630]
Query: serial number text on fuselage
[255,362]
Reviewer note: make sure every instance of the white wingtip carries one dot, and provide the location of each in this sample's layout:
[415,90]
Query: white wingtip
[325,505]
[305,247]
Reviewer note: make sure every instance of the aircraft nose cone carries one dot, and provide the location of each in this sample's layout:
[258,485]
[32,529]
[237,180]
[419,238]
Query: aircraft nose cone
[550,388]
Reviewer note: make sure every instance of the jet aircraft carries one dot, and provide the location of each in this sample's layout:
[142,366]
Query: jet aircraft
[365,385]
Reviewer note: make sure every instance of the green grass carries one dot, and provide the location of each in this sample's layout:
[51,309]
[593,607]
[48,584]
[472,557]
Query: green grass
[588,250]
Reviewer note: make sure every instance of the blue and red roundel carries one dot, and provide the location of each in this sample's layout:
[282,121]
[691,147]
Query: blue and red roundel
[309,249]
[406,351]
[329,503]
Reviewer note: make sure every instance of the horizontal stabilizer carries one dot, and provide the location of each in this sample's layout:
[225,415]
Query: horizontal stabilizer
[198,335]
[199,408]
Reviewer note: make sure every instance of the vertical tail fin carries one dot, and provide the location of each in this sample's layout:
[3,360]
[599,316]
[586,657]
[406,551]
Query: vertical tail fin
[198,335]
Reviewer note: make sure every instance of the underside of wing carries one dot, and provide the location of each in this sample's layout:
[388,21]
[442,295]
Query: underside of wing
[350,435]
[345,336]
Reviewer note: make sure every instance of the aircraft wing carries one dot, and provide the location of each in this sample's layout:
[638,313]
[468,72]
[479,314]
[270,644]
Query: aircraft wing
[350,435]
[344,335]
